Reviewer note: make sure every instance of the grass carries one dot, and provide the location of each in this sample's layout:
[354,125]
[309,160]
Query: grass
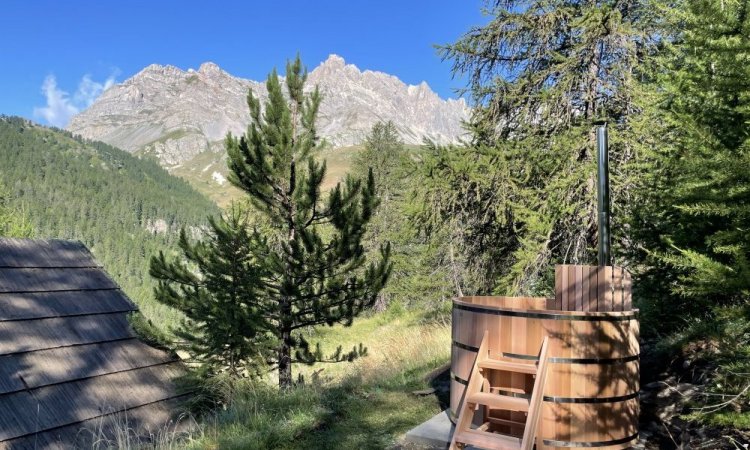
[366,404]
[338,163]
[199,173]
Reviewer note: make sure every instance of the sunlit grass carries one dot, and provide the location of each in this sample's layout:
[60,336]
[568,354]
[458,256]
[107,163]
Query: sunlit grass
[366,404]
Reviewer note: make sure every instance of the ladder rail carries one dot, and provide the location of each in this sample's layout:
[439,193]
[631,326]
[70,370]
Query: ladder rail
[477,382]
[537,395]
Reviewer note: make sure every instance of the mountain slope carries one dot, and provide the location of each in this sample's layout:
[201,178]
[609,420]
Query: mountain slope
[174,115]
[123,208]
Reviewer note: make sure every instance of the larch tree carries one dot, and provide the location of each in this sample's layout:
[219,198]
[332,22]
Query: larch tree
[384,154]
[421,268]
[522,194]
[311,253]
[694,212]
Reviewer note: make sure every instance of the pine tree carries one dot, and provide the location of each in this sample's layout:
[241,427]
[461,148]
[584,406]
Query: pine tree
[312,252]
[541,73]
[217,285]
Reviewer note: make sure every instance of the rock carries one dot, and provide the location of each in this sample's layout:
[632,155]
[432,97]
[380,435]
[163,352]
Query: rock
[174,114]
[682,391]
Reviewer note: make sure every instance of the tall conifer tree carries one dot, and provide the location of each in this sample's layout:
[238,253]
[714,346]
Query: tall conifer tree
[312,251]
[541,73]
[695,195]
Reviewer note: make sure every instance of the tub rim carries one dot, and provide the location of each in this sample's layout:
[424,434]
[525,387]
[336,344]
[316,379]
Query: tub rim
[463,304]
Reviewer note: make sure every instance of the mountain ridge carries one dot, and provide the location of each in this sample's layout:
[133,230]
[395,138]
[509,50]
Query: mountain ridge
[176,114]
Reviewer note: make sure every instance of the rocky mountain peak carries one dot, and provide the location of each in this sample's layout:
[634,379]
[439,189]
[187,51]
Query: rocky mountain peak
[158,70]
[175,115]
[334,60]
[210,68]
[335,66]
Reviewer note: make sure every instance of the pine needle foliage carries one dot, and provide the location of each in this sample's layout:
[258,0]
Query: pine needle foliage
[217,285]
[312,251]
[251,290]
[421,274]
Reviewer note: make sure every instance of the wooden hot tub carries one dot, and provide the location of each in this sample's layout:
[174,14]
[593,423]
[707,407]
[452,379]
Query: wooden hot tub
[591,394]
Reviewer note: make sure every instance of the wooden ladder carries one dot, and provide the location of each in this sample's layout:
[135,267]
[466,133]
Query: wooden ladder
[479,392]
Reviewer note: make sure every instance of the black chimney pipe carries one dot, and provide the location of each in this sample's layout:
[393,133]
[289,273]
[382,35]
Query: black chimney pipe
[602,194]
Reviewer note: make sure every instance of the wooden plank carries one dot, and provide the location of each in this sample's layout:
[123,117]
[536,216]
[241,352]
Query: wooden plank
[602,288]
[585,303]
[593,288]
[46,367]
[571,288]
[627,287]
[564,288]
[466,413]
[39,305]
[44,253]
[32,335]
[499,401]
[558,286]
[46,280]
[537,396]
[505,378]
[578,287]
[608,297]
[617,299]
[486,440]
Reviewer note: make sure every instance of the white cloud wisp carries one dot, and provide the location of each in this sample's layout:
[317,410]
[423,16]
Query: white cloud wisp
[61,107]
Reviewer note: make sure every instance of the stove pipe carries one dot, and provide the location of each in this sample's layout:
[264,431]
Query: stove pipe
[602,193]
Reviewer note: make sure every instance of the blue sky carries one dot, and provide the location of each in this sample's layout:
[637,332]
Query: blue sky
[57,56]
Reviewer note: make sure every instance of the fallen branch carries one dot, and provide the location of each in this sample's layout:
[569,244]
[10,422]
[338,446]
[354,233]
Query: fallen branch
[718,406]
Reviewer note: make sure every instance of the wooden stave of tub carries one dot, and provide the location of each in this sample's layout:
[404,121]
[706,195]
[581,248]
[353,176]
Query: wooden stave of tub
[602,345]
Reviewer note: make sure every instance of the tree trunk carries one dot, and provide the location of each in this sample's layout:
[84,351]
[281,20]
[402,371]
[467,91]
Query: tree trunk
[381,303]
[285,361]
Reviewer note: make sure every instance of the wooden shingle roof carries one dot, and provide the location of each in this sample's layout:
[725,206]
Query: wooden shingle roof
[69,360]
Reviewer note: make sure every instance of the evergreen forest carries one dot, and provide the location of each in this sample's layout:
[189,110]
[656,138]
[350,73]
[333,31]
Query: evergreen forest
[124,209]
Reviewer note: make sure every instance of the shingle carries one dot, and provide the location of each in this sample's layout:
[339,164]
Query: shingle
[151,421]
[48,280]
[38,305]
[44,367]
[30,335]
[44,253]
[27,412]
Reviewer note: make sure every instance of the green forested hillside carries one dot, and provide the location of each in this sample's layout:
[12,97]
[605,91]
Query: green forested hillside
[123,208]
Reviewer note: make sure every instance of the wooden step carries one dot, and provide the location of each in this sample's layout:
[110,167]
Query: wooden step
[486,440]
[505,422]
[508,366]
[498,401]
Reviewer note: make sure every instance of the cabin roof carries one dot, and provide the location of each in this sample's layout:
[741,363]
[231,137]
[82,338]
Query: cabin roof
[69,360]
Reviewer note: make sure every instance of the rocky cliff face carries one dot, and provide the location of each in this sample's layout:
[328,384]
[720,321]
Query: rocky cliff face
[175,114]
